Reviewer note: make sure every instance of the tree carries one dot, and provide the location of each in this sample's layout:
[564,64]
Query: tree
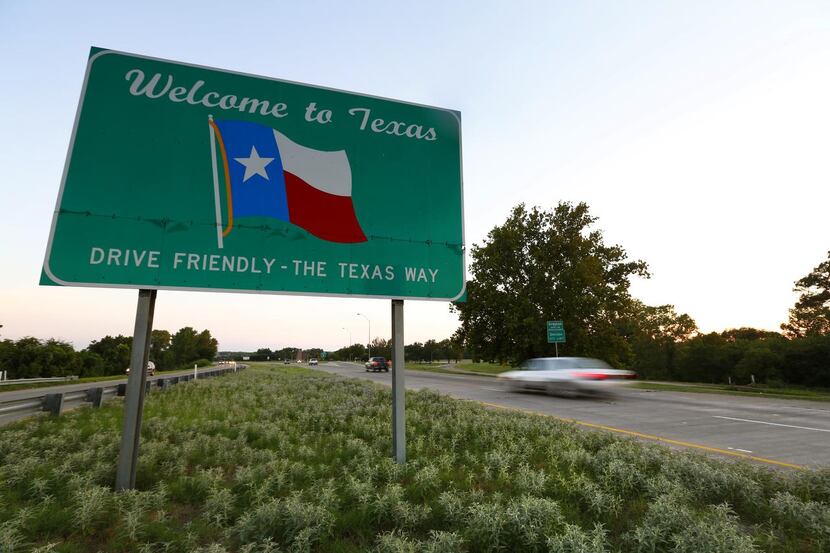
[456,348]
[206,346]
[32,358]
[7,351]
[188,346]
[748,333]
[445,349]
[160,353]
[546,265]
[59,358]
[414,352]
[184,345]
[289,353]
[805,361]
[760,362]
[811,314]
[355,351]
[115,352]
[90,364]
[655,333]
[431,351]
[381,348]
[705,358]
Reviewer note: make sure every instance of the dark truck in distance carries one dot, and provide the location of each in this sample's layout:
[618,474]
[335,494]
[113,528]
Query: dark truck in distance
[376,364]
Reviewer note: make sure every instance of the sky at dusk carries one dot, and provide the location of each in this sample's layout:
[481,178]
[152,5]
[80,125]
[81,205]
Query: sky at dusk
[697,132]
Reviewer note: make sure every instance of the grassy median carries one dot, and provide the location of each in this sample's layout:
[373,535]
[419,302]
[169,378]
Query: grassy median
[486,369]
[734,390]
[286,459]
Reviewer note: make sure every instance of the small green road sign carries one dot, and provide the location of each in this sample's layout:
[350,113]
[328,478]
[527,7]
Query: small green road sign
[556,332]
[183,177]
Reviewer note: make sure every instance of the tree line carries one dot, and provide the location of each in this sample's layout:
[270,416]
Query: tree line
[289,353]
[447,350]
[35,358]
[543,265]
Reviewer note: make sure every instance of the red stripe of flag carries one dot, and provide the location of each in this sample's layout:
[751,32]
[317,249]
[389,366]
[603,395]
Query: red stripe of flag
[324,215]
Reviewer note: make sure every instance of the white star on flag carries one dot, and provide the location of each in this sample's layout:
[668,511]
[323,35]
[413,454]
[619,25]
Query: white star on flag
[254,165]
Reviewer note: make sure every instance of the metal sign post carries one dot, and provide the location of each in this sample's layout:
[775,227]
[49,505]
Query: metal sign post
[136,383]
[398,387]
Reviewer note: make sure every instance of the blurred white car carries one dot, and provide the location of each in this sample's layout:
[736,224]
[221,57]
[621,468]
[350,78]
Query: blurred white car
[566,376]
[312,361]
[151,369]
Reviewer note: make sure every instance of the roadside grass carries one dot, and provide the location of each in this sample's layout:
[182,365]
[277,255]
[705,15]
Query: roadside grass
[754,391]
[484,368]
[487,369]
[286,459]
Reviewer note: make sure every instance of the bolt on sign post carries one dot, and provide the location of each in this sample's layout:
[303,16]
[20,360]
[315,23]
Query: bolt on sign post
[556,334]
[182,177]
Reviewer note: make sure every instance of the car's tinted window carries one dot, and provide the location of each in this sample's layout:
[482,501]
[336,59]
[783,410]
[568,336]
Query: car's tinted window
[563,363]
[549,364]
[532,365]
[591,364]
[378,359]
[573,363]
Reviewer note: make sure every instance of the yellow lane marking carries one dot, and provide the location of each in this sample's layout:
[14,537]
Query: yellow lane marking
[650,437]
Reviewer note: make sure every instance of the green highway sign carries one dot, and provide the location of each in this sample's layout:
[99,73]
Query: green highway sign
[556,332]
[183,177]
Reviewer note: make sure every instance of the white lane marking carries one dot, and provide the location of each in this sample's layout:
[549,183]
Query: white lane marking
[773,424]
[738,449]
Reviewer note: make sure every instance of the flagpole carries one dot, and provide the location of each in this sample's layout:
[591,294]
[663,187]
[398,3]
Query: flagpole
[219,243]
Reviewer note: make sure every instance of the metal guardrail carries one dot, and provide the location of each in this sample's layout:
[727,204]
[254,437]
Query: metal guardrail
[7,382]
[57,402]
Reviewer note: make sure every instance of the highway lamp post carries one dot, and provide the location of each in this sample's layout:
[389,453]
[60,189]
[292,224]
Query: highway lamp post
[348,351]
[369,345]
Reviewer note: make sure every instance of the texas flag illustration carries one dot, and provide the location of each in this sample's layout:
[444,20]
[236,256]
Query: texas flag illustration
[269,175]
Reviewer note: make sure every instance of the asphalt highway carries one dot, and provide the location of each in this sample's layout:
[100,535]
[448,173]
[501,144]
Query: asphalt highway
[775,432]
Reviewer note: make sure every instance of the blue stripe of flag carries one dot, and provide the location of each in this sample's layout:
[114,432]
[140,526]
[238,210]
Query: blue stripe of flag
[258,196]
